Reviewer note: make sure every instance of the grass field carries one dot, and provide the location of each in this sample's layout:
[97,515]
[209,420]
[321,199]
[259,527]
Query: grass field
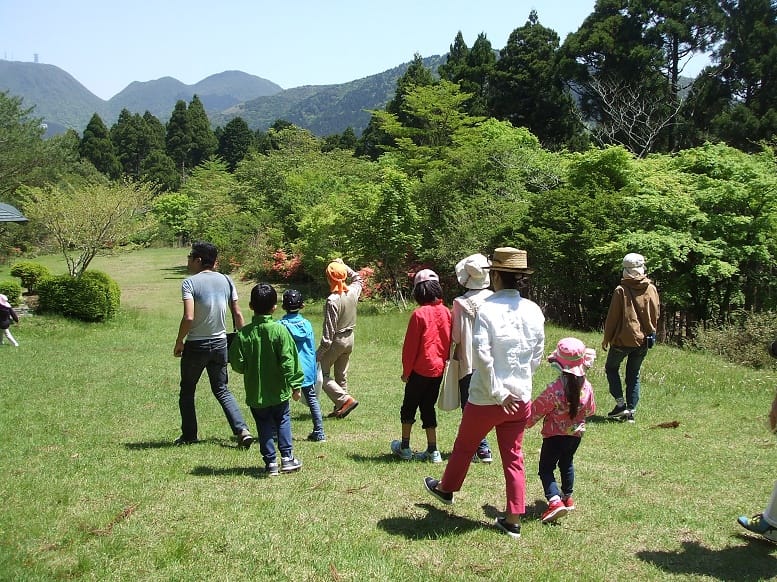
[93,489]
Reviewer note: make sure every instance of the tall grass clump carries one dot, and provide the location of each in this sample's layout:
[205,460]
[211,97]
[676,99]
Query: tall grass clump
[744,340]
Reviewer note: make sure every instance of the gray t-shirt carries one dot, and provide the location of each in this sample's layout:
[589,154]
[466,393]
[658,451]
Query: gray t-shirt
[210,291]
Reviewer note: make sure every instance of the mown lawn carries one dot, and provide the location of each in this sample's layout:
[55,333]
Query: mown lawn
[92,488]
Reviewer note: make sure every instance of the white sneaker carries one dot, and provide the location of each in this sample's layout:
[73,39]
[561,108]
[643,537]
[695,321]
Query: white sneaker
[433,457]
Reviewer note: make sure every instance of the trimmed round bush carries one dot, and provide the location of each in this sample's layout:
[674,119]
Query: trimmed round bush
[93,296]
[30,273]
[12,290]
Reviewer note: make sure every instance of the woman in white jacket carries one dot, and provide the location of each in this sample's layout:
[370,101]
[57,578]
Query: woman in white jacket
[508,342]
[472,274]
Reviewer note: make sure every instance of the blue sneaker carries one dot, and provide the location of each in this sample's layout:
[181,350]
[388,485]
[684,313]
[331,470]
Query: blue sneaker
[757,524]
[404,454]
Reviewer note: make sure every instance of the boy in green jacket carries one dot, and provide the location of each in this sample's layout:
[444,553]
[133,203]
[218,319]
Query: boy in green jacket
[265,353]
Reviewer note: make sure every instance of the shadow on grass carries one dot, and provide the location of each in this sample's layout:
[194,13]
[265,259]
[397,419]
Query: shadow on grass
[438,523]
[147,445]
[205,471]
[178,272]
[753,561]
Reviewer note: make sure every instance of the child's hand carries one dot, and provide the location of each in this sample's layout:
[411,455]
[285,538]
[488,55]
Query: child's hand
[295,394]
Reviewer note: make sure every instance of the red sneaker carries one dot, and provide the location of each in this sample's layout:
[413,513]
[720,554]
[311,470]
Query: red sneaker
[555,510]
[569,503]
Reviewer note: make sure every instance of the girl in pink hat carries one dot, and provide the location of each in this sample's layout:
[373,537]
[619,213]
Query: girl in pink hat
[7,314]
[564,404]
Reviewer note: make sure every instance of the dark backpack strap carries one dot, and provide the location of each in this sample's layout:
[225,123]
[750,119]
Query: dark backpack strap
[229,300]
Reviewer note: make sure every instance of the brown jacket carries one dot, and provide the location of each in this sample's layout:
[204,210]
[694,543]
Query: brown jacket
[627,317]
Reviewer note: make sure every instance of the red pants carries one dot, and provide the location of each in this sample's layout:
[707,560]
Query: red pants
[476,422]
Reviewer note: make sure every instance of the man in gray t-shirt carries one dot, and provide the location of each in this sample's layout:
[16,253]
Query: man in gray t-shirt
[206,296]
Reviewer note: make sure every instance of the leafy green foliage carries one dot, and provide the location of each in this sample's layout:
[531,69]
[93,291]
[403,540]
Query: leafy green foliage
[94,296]
[30,273]
[12,290]
[90,219]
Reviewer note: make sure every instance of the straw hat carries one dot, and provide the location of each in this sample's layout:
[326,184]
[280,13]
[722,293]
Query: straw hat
[511,260]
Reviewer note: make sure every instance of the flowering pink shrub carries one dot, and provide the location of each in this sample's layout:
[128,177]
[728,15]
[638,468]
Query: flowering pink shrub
[370,288]
[286,268]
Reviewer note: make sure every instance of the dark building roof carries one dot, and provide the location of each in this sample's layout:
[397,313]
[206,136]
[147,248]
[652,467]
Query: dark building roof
[10,214]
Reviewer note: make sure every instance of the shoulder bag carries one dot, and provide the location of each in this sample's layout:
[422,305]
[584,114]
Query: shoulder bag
[230,335]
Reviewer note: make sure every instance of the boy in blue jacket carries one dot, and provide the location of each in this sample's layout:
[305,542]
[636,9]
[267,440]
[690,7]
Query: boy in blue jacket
[302,332]
[265,353]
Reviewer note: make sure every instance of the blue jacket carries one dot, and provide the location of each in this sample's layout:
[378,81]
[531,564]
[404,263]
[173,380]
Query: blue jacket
[302,332]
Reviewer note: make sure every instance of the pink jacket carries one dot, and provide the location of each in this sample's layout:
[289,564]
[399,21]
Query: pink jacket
[552,405]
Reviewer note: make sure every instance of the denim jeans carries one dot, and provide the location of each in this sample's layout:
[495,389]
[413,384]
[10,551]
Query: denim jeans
[271,421]
[210,355]
[311,398]
[634,358]
[464,396]
[558,450]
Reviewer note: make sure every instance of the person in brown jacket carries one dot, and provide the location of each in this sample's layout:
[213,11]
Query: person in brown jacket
[629,330]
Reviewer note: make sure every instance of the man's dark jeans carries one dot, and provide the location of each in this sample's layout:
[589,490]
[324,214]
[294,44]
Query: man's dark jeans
[210,355]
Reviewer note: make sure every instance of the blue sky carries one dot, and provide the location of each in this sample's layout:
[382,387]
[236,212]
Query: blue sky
[106,45]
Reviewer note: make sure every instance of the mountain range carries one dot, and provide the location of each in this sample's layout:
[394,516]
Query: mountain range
[64,103]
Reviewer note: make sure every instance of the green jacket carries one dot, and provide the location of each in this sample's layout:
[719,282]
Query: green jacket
[265,353]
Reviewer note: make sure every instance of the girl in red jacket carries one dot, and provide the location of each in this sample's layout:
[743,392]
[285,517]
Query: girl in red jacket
[425,350]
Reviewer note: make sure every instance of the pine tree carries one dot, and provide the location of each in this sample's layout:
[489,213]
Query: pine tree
[204,142]
[96,146]
[235,141]
[178,138]
[528,89]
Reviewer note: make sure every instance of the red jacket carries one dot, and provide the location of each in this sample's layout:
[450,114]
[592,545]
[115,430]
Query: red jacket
[427,341]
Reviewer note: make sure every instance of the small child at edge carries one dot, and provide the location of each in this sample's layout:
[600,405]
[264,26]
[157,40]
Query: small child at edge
[424,352]
[265,353]
[302,332]
[564,404]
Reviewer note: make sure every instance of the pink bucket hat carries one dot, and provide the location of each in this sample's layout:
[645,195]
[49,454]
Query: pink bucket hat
[425,275]
[4,301]
[572,356]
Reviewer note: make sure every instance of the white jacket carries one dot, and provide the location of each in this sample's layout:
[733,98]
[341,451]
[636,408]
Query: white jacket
[465,308]
[508,344]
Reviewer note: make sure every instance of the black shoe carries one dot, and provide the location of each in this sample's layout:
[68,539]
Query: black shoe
[431,486]
[182,440]
[513,530]
[244,439]
[271,469]
[316,438]
[619,411]
[290,464]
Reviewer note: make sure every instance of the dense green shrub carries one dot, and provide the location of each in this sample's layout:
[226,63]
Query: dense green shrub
[12,290]
[744,341]
[30,273]
[93,296]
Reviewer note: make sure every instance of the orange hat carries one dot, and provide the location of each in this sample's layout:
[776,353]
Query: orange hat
[337,273]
